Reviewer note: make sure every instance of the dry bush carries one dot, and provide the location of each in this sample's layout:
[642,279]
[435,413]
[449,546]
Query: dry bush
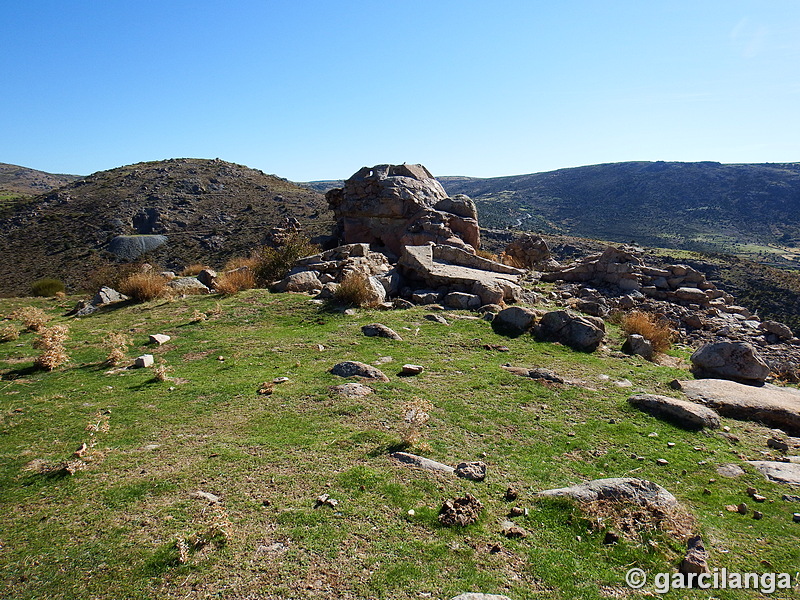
[633,520]
[239,262]
[511,261]
[9,333]
[272,264]
[47,287]
[193,270]
[112,274]
[161,372]
[144,287]
[355,290]
[32,318]
[51,343]
[415,414]
[650,327]
[232,282]
[117,344]
[486,254]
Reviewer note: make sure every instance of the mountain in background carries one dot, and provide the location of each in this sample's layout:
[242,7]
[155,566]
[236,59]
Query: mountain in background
[749,210]
[21,181]
[210,210]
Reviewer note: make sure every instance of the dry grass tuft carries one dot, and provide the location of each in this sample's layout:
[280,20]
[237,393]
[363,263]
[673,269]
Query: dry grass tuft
[239,262]
[144,287]
[232,282]
[117,344]
[415,414]
[197,317]
[650,327]
[193,270]
[512,261]
[161,372]
[32,318]
[633,520]
[51,343]
[355,290]
[9,333]
[486,254]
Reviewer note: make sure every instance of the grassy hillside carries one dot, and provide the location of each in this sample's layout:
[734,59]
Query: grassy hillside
[750,210]
[210,210]
[110,530]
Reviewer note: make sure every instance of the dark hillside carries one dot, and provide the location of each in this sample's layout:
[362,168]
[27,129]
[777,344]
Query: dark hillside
[22,181]
[210,210]
[750,210]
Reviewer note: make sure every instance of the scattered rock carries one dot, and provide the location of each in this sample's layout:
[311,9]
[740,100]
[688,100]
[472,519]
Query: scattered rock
[516,511]
[463,301]
[511,494]
[779,472]
[730,470]
[663,462]
[437,319]
[779,329]
[512,531]
[474,471]
[769,404]
[476,596]
[637,345]
[144,361]
[304,281]
[514,321]
[686,414]
[577,332]
[199,495]
[379,330]
[208,277]
[460,511]
[352,368]
[537,373]
[326,500]
[421,462]
[412,369]
[696,559]
[777,444]
[796,517]
[742,508]
[159,338]
[190,285]
[626,489]
[790,498]
[495,347]
[758,515]
[352,390]
[737,361]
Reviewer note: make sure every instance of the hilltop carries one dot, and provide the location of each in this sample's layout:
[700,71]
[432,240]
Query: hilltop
[22,181]
[749,210]
[210,210]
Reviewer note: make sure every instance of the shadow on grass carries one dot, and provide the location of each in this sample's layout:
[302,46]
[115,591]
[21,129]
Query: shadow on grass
[386,449]
[21,372]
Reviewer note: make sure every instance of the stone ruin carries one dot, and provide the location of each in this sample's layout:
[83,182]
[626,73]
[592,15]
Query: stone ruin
[399,228]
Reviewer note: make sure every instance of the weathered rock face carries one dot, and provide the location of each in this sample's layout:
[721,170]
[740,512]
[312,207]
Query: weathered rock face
[530,251]
[738,361]
[393,206]
[683,413]
[618,489]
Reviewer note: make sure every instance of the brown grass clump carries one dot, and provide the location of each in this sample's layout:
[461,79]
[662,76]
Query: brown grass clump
[117,344]
[511,261]
[51,343]
[415,414]
[144,287]
[232,282]
[650,327]
[239,262]
[193,270]
[486,254]
[161,372]
[9,333]
[634,520]
[355,290]
[32,318]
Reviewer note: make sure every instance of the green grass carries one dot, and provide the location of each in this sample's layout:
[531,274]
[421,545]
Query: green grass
[109,531]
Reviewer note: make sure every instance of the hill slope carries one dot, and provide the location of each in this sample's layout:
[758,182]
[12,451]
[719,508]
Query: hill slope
[750,210]
[210,210]
[29,182]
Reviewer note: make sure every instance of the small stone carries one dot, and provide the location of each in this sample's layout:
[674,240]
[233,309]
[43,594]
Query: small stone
[144,361]
[512,530]
[796,517]
[726,429]
[474,471]
[730,470]
[662,461]
[670,444]
[777,444]
[511,494]
[280,380]
[751,491]
[159,338]
[200,495]
[516,511]
[758,515]
[411,512]
[697,448]
[652,435]
[409,369]
[742,508]
[759,498]
[437,319]
[790,498]
[220,358]
[611,537]
[707,491]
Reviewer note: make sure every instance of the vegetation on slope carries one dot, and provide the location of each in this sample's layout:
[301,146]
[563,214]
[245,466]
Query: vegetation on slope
[113,528]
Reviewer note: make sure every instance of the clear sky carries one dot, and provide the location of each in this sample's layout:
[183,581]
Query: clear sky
[317,89]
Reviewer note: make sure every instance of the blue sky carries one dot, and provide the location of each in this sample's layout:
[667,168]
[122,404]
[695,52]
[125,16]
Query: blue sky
[315,90]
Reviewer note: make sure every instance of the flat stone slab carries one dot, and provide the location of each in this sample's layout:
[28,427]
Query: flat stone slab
[422,463]
[619,489]
[779,472]
[353,368]
[681,412]
[769,404]
[476,596]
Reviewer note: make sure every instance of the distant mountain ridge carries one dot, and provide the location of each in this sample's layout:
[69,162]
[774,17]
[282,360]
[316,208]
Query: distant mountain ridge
[750,210]
[16,180]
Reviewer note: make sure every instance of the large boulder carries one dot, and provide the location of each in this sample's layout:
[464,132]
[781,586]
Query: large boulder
[304,281]
[131,247]
[737,361]
[392,206]
[617,489]
[514,321]
[578,332]
[685,414]
[530,251]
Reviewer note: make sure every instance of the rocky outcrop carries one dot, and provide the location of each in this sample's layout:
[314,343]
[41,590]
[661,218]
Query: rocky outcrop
[737,361]
[685,414]
[514,321]
[391,206]
[530,251]
[618,489]
[577,332]
[779,472]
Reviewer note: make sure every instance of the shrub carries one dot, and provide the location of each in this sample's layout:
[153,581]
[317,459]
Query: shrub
[650,327]
[9,333]
[117,344]
[113,274]
[51,343]
[47,287]
[232,282]
[272,264]
[486,254]
[144,286]
[355,290]
[193,270]
[32,318]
